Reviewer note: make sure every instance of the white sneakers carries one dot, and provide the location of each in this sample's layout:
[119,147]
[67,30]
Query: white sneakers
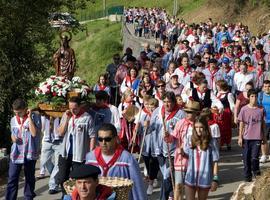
[151,187]
[150,190]
[263,159]
[155,183]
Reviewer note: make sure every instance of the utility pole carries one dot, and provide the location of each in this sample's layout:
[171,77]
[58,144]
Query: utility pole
[175,7]
[104,8]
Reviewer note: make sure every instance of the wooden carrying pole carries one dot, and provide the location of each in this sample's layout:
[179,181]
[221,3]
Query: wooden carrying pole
[144,134]
[136,131]
[169,155]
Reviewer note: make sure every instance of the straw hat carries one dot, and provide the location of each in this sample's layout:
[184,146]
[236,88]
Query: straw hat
[192,106]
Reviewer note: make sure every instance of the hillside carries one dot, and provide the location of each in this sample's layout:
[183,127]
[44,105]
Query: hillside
[254,13]
[95,50]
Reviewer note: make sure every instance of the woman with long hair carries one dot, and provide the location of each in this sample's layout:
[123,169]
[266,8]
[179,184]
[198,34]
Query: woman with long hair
[131,81]
[202,153]
[102,84]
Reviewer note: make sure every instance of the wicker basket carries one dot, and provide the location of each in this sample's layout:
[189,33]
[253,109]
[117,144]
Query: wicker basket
[73,94]
[120,186]
[52,110]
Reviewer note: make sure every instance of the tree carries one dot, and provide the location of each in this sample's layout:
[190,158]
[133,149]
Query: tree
[26,49]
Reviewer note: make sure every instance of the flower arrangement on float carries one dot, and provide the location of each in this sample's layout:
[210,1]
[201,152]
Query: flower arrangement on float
[53,93]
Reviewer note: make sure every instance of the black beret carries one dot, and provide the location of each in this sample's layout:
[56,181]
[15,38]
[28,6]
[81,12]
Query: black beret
[84,171]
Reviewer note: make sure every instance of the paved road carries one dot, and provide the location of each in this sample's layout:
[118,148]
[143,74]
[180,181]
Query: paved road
[231,170]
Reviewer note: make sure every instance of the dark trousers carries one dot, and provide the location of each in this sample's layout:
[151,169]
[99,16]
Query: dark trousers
[251,157]
[13,180]
[115,97]
[166,186]
[152,166]
[64,170]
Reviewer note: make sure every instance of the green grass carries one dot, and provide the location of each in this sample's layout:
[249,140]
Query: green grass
[96,9]
[188,6]
[94,52]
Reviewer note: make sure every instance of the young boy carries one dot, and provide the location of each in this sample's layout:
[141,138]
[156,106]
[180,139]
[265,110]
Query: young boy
[251,134]
[25,134]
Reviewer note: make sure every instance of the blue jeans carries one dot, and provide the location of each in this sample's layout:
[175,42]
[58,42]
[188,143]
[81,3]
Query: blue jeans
[47,151]
[13,180]
[251,153]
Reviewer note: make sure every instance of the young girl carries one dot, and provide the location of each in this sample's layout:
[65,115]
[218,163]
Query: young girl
[142,123]
[102,84]
[127,125]
[202,154]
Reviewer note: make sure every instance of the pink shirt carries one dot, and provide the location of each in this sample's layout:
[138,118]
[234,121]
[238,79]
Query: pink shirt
[252,119]
[182,132]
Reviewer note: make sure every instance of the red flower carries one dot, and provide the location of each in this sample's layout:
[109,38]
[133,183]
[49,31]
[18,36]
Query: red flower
[54,94]
[49,87]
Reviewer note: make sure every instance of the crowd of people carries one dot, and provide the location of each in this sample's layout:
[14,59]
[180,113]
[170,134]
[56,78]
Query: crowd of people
[175,105]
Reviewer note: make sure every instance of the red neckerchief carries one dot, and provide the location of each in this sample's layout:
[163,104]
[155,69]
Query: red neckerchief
[260,72]
[199,91]
[213,73]
[106,166]
[154,77]
[130,80]
[102,87]
[220,95]
[185,71]
[239,54]
[76,117]
[158,95]
[229,55]
[259,55]
[147,112]
[198,163]
[103,192]
[21,123]
[172,113]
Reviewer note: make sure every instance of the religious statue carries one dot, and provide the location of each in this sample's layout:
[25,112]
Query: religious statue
[64,59]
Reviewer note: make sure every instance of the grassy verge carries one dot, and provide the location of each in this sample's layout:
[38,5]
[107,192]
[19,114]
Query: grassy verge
[95,10]
[94,52]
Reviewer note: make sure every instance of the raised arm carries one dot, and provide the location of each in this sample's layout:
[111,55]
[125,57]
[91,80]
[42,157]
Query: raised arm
[64,123]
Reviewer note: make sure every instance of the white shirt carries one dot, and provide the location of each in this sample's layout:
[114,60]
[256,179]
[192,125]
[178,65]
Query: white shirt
[183,78]
[115,119]
[212,77]
[215,131]
[106,158]
[230,99]
[240,80]
[215,101]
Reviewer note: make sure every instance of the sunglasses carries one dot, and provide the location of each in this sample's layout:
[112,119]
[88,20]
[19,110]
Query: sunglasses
[158,86]
[206,58]
[260,63]
[106,139]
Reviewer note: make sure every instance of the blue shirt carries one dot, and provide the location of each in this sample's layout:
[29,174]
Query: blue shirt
[264,101]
